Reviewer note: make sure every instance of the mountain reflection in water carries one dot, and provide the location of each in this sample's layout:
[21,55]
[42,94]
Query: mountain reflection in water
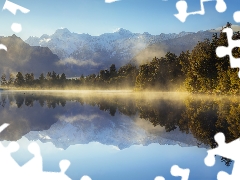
[119,120]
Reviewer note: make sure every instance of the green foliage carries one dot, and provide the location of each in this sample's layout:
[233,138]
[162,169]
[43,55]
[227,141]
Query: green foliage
[160,74]
[11,80]
[106,79]
[41,78]
[206,73]
[198,71]
[19,81]
[3,80]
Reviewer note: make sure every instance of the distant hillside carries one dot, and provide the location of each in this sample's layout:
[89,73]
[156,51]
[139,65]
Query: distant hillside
[83,53]
[25,58]
[176,45]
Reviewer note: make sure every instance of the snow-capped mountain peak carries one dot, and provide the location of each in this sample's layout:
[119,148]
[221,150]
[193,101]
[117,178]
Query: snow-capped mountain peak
[122,31]
[118,47]
[62,31]
[66,44]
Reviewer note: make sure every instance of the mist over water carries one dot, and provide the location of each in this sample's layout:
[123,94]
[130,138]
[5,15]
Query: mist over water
[128,127]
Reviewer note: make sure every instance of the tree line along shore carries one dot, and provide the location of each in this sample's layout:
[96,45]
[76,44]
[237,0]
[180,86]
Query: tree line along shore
[198,71]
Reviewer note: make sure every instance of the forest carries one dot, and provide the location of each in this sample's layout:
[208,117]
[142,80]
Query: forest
[198,71]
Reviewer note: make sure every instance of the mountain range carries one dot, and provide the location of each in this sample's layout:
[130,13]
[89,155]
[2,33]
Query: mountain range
[25,58]
[94,125]
[83,51]
[65,121]
[76,54]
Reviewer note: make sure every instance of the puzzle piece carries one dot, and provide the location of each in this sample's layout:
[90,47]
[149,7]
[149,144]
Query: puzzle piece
[85,178]
[222,51]
[227,150]
[111,1]
[236,16]
[182,9]
[177,171]
[33,168]
[35,164]
[7,163]
[16,27]
[64,164]
[2,46]
[4,126]
[12,7]
[5,156]
[159,178]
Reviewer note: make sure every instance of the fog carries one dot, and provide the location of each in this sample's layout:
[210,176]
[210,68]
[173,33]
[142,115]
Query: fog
[72,61]
[149,53]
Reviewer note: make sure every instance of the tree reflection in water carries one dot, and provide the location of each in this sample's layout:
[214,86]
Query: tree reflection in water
[203,117]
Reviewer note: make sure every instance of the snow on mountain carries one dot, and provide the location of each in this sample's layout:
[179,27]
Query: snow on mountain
[121,132]
[118,47]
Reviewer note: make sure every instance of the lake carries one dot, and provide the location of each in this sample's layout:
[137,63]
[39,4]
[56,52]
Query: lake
[120,135]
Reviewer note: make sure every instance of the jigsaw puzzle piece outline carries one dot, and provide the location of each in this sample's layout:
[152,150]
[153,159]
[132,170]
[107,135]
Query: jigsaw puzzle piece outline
[12,7]
[111,1]
[64,165]
[5,125]
[33,169]
[85,178]
[159,178]
[236,16]
[35,164]
[222,51]
[227,150]
[177,171]
[11,165]
[182,7]
[2,46]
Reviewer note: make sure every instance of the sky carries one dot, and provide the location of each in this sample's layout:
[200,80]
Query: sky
[135,162]
[96,17]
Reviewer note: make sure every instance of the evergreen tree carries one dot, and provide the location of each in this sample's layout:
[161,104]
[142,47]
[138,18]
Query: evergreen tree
[41,77]
[11,80]
[63,77]
[3,80]
[54,76]
[113,70]
[19,81]
[29,79]
[49,76]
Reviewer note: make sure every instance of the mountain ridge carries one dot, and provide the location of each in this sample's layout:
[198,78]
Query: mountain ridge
[89,54]
[76,54]
[22,57]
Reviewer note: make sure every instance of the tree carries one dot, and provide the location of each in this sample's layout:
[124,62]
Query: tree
[113,70]
[228,25]
[49,76]
[41,77]
[160,74]
[29,79]
[63,77]
[19,81]
[11,80]
[3,80]
[54,76]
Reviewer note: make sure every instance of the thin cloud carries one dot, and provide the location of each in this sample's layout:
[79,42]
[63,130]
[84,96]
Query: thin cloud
[111,1]
[79,117]
[73,61]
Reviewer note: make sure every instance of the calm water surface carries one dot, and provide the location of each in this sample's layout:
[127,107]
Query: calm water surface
[120,136]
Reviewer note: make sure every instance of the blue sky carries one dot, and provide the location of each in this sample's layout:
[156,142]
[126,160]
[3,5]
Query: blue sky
[135,162]
[96,17]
